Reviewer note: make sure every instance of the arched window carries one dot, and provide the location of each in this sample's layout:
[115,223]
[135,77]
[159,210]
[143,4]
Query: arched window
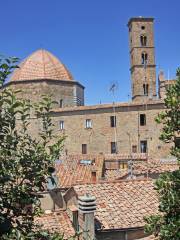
[144,58]
[143,40]
[61,103]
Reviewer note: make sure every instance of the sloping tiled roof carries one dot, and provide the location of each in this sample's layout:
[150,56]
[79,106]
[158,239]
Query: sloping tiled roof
[133,156]
[72,172]
[56,222]
[122,204]
[114,174]
[140,167]
[154,166]
[41,65]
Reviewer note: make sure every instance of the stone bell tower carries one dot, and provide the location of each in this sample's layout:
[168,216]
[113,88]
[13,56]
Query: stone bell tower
[143,68]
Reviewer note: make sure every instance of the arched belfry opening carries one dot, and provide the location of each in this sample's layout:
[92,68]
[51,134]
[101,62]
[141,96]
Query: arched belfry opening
[143,40]
[144,58]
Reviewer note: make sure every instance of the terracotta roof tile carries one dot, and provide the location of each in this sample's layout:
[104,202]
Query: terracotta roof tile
[56,222]
[154,166]
[41,65]
[126,202]
[72,172]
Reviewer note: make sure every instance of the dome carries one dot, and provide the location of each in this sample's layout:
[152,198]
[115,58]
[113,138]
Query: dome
[41,65]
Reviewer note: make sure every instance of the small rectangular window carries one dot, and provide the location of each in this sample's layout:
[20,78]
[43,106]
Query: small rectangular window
[134,148]
[177,142]
[84,148]
[142,119]
[145,89]
[113,121]
[143,145]
[61,103]
[113,147]
[61,125]
[88,123]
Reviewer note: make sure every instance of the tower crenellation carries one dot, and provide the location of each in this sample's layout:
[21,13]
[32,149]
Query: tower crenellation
[142,58]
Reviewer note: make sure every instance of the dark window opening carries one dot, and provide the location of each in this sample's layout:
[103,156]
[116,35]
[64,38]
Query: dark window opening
[84,148]
[61,103]
[143,146]
[134,148]
[144,58]
[113,121]
[143,40]
[142,27]
[146,89]
[113,147]
[177,142]
[142,119]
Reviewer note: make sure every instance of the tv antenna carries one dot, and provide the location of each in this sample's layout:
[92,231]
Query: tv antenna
[113,88]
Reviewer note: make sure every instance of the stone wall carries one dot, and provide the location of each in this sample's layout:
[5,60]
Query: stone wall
[59,90]
[127,132]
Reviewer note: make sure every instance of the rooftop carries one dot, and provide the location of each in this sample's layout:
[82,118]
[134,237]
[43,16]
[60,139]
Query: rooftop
[41,64]
[57,222]
[75,169]
[122,204]
[147,103]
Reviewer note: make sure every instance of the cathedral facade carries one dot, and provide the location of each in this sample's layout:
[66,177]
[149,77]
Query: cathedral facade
[123,128]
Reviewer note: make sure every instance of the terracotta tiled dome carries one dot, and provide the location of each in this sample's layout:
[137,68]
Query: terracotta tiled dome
[41,65]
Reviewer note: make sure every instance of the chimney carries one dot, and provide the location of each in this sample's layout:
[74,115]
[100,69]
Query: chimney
[87,207]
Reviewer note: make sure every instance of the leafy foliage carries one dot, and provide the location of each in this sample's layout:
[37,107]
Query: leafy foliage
[24,161]
[166,225]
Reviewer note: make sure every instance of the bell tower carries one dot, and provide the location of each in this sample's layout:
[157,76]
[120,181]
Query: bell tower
[143,68]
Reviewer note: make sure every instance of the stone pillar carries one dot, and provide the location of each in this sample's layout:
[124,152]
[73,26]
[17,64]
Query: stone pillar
[87,207]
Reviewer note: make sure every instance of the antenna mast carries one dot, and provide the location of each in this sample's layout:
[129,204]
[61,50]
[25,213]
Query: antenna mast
[112,89]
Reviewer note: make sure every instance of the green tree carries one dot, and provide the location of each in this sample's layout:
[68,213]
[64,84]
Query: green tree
[25,162]
[166,225]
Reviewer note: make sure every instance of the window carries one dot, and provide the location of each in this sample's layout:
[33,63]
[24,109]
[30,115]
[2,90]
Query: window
[61,103]
[113,121]
[177,142]
[143,145]
[61,125]
[142,27]
[145,89]
[142,119]
[144,58]
[134,148]
[88,123]
[143,40]
[113,147]
[84,148]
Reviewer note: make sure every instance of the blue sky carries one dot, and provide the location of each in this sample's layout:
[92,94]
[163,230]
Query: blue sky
[90,37]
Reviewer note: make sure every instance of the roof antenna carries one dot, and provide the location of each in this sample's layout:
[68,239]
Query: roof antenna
[113,88]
